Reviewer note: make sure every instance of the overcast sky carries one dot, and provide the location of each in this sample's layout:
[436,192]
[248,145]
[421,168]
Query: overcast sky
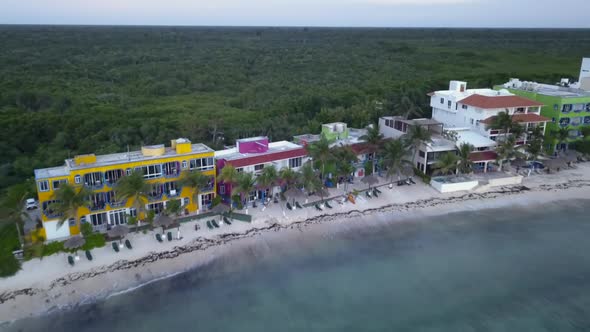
[377,13]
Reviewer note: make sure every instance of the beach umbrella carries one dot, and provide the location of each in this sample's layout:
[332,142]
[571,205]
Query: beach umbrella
[220,209]
[571,156]
[163,221]
[293,193]
[554,163]
[370,180]
[74,242]
[118,231]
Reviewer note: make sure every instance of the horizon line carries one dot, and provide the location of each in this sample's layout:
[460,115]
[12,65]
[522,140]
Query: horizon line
[290,26]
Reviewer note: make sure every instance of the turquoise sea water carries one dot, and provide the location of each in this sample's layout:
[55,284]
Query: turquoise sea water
[493,270]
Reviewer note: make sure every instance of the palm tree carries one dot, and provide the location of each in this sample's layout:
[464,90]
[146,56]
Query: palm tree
[194,180]
[268,178]
[12,208]
[465,163]
[245,184]
[321,152]
[373,139]
[229,175]
[308,178]
[534,145]
[507,150]
[134,187]
[561,135]
[344,158]
[416,136]
[68,201]
[407,102]
[446,164]
[394,158]
[585,132]
[288,176]
[503,122]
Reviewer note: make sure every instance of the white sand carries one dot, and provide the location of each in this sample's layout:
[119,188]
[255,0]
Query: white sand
[47,284]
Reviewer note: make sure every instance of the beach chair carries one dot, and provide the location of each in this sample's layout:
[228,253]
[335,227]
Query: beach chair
[226,220]
[298,205]
[317,207]
[368,194]
[214,223]
[328,205]
[209,224]
[169,235]
[289,206]
[159,237]
[88,255]
[71,260]
[377,191]
[115,246]
[128,244]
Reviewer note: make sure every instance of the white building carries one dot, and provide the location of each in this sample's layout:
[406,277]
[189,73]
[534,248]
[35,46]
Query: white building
[474,110]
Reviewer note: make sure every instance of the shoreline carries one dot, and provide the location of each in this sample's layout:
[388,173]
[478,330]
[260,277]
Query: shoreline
[76,288]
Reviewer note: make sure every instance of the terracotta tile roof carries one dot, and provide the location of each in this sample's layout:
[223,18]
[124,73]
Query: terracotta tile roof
[490,102]
[527,117]
[483,156]
[267,157]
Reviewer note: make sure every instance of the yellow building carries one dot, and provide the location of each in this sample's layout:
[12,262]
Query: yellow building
[161,167]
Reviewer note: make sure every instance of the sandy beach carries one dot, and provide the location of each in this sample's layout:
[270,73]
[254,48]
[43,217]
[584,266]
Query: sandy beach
[50,284]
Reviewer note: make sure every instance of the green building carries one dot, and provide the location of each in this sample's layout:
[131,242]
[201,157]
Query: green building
[567,107]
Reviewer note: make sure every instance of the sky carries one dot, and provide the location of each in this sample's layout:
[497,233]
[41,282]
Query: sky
[340,13]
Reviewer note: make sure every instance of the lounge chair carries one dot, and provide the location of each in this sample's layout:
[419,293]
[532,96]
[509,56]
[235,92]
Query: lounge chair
[209,224]
[298,205]
[368,194]
[88,255]
[377,191]
[289,206]
[169,235]
[159,237]
[71,260]
[226,220]
[115,246]
[214,223]
[328,205]
[412,181]
[317,207]
[128,244]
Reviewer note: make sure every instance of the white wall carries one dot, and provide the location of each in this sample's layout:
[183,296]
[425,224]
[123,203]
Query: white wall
[452,187]
[52,232]
[388,132]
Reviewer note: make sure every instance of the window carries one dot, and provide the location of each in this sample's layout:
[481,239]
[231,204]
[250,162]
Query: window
[442,100]
[98,219]
[118,217]
[72,222]
[202,164]
[222,189]
[171,168]
[449,104]
[471,121]
[258,167]
[295,162]
[113,176]
[564,122]
[555,107]
[93,179]
[576,121]
[566,108]
[477,123]
[421,153]
[184,164]
[587,120]
[239,170]
[43,185]
[57,183]
[77,179]
[588,107]
[186,201]
[553,120]
[151,171]
[128,171]
[156,207]
[464,107]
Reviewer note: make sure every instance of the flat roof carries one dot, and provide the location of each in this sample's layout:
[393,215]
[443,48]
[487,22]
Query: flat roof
[473,138]
[116,158]
[273,147]
[545,89]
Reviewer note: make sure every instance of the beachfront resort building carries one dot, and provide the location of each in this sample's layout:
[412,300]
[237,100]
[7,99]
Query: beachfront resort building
[254,154]
[161,167]
[339,134]
[565,105]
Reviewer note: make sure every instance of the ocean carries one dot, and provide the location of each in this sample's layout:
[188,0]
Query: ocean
[491,270]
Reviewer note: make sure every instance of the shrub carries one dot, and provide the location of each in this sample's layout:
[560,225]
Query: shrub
[216,201]
[86,229]
[8,265]
[95,240]
[425,178]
